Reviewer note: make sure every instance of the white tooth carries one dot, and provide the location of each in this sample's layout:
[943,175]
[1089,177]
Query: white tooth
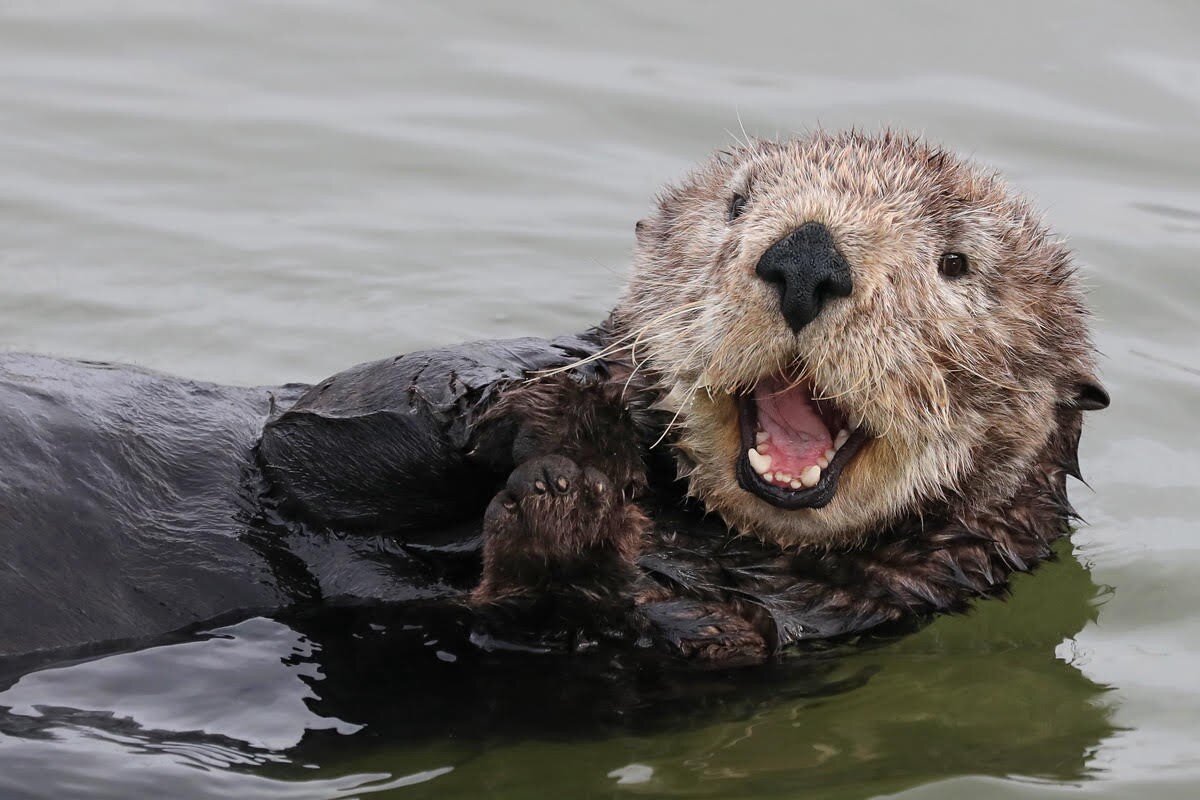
[823,463]
[842,436]
[811,476]
[796,484]
[768,477]
[829,454]
[758,461]
[762,436]
[782,477]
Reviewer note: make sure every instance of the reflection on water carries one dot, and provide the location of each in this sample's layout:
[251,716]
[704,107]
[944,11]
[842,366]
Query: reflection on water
[254,708]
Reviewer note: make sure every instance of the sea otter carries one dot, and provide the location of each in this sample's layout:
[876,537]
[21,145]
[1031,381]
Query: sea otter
[842,390]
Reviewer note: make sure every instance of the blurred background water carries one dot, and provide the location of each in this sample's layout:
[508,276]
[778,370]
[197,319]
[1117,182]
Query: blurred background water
[257,192]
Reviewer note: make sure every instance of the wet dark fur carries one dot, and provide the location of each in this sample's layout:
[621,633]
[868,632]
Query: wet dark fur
[743,598]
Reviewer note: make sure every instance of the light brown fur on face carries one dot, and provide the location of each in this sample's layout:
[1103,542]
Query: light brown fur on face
[958,380]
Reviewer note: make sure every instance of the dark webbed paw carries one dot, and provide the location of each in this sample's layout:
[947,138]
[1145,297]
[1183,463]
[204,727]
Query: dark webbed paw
[555,529]
[709,633]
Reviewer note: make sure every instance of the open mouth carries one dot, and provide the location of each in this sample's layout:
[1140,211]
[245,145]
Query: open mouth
[794,446]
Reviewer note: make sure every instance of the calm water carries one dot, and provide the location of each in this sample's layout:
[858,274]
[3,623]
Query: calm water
[252,193]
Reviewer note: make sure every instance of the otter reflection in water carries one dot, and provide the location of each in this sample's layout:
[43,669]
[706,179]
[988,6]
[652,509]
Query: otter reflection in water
[370,695]
[842,392]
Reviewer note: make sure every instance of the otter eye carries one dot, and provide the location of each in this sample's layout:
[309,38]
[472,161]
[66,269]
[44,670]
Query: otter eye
[737,205]
[952,264]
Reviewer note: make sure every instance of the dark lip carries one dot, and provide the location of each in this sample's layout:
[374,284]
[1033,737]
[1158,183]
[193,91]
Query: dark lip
[818,496]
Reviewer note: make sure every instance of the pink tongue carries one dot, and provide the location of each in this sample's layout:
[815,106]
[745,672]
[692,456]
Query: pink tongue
[798,435]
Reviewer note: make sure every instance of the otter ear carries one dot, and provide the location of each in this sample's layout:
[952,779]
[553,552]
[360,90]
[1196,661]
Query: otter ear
[1089,395]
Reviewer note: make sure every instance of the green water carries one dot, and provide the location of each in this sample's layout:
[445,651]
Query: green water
[256,192]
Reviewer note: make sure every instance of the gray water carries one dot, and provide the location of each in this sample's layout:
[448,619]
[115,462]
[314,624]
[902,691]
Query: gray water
[254,192]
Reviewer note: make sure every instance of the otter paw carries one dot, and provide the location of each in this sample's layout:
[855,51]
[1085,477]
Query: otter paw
[708,633]
[557,526]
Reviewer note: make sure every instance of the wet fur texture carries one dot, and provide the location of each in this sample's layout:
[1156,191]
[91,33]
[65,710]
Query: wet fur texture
[971,387]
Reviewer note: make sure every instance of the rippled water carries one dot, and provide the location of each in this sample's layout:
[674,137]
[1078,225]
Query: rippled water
[253,192]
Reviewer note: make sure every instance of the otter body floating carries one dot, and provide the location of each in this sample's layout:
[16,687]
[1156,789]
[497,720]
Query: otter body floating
[866,357]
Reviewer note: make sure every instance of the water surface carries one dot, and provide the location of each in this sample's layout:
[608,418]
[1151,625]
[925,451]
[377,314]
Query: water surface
[255,193]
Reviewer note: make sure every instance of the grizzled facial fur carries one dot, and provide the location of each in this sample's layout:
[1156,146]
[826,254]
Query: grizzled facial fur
[787,291]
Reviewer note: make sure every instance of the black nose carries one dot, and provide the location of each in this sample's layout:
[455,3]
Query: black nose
[808,269]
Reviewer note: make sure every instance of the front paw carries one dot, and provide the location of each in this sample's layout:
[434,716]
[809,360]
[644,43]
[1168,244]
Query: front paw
[708,633]
[557,527]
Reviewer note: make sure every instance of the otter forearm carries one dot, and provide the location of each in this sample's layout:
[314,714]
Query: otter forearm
[385,446]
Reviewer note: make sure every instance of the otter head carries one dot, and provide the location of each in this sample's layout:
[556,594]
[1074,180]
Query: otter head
[847,330]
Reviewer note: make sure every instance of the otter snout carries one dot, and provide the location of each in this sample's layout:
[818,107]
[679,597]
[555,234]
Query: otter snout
[808,270]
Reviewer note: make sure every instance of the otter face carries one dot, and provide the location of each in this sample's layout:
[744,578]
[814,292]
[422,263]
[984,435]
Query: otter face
[848,329]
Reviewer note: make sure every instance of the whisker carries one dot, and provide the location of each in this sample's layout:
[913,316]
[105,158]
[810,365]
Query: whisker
[615,346]
[686,402]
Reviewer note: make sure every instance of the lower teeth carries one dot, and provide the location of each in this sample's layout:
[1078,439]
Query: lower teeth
[809,477]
